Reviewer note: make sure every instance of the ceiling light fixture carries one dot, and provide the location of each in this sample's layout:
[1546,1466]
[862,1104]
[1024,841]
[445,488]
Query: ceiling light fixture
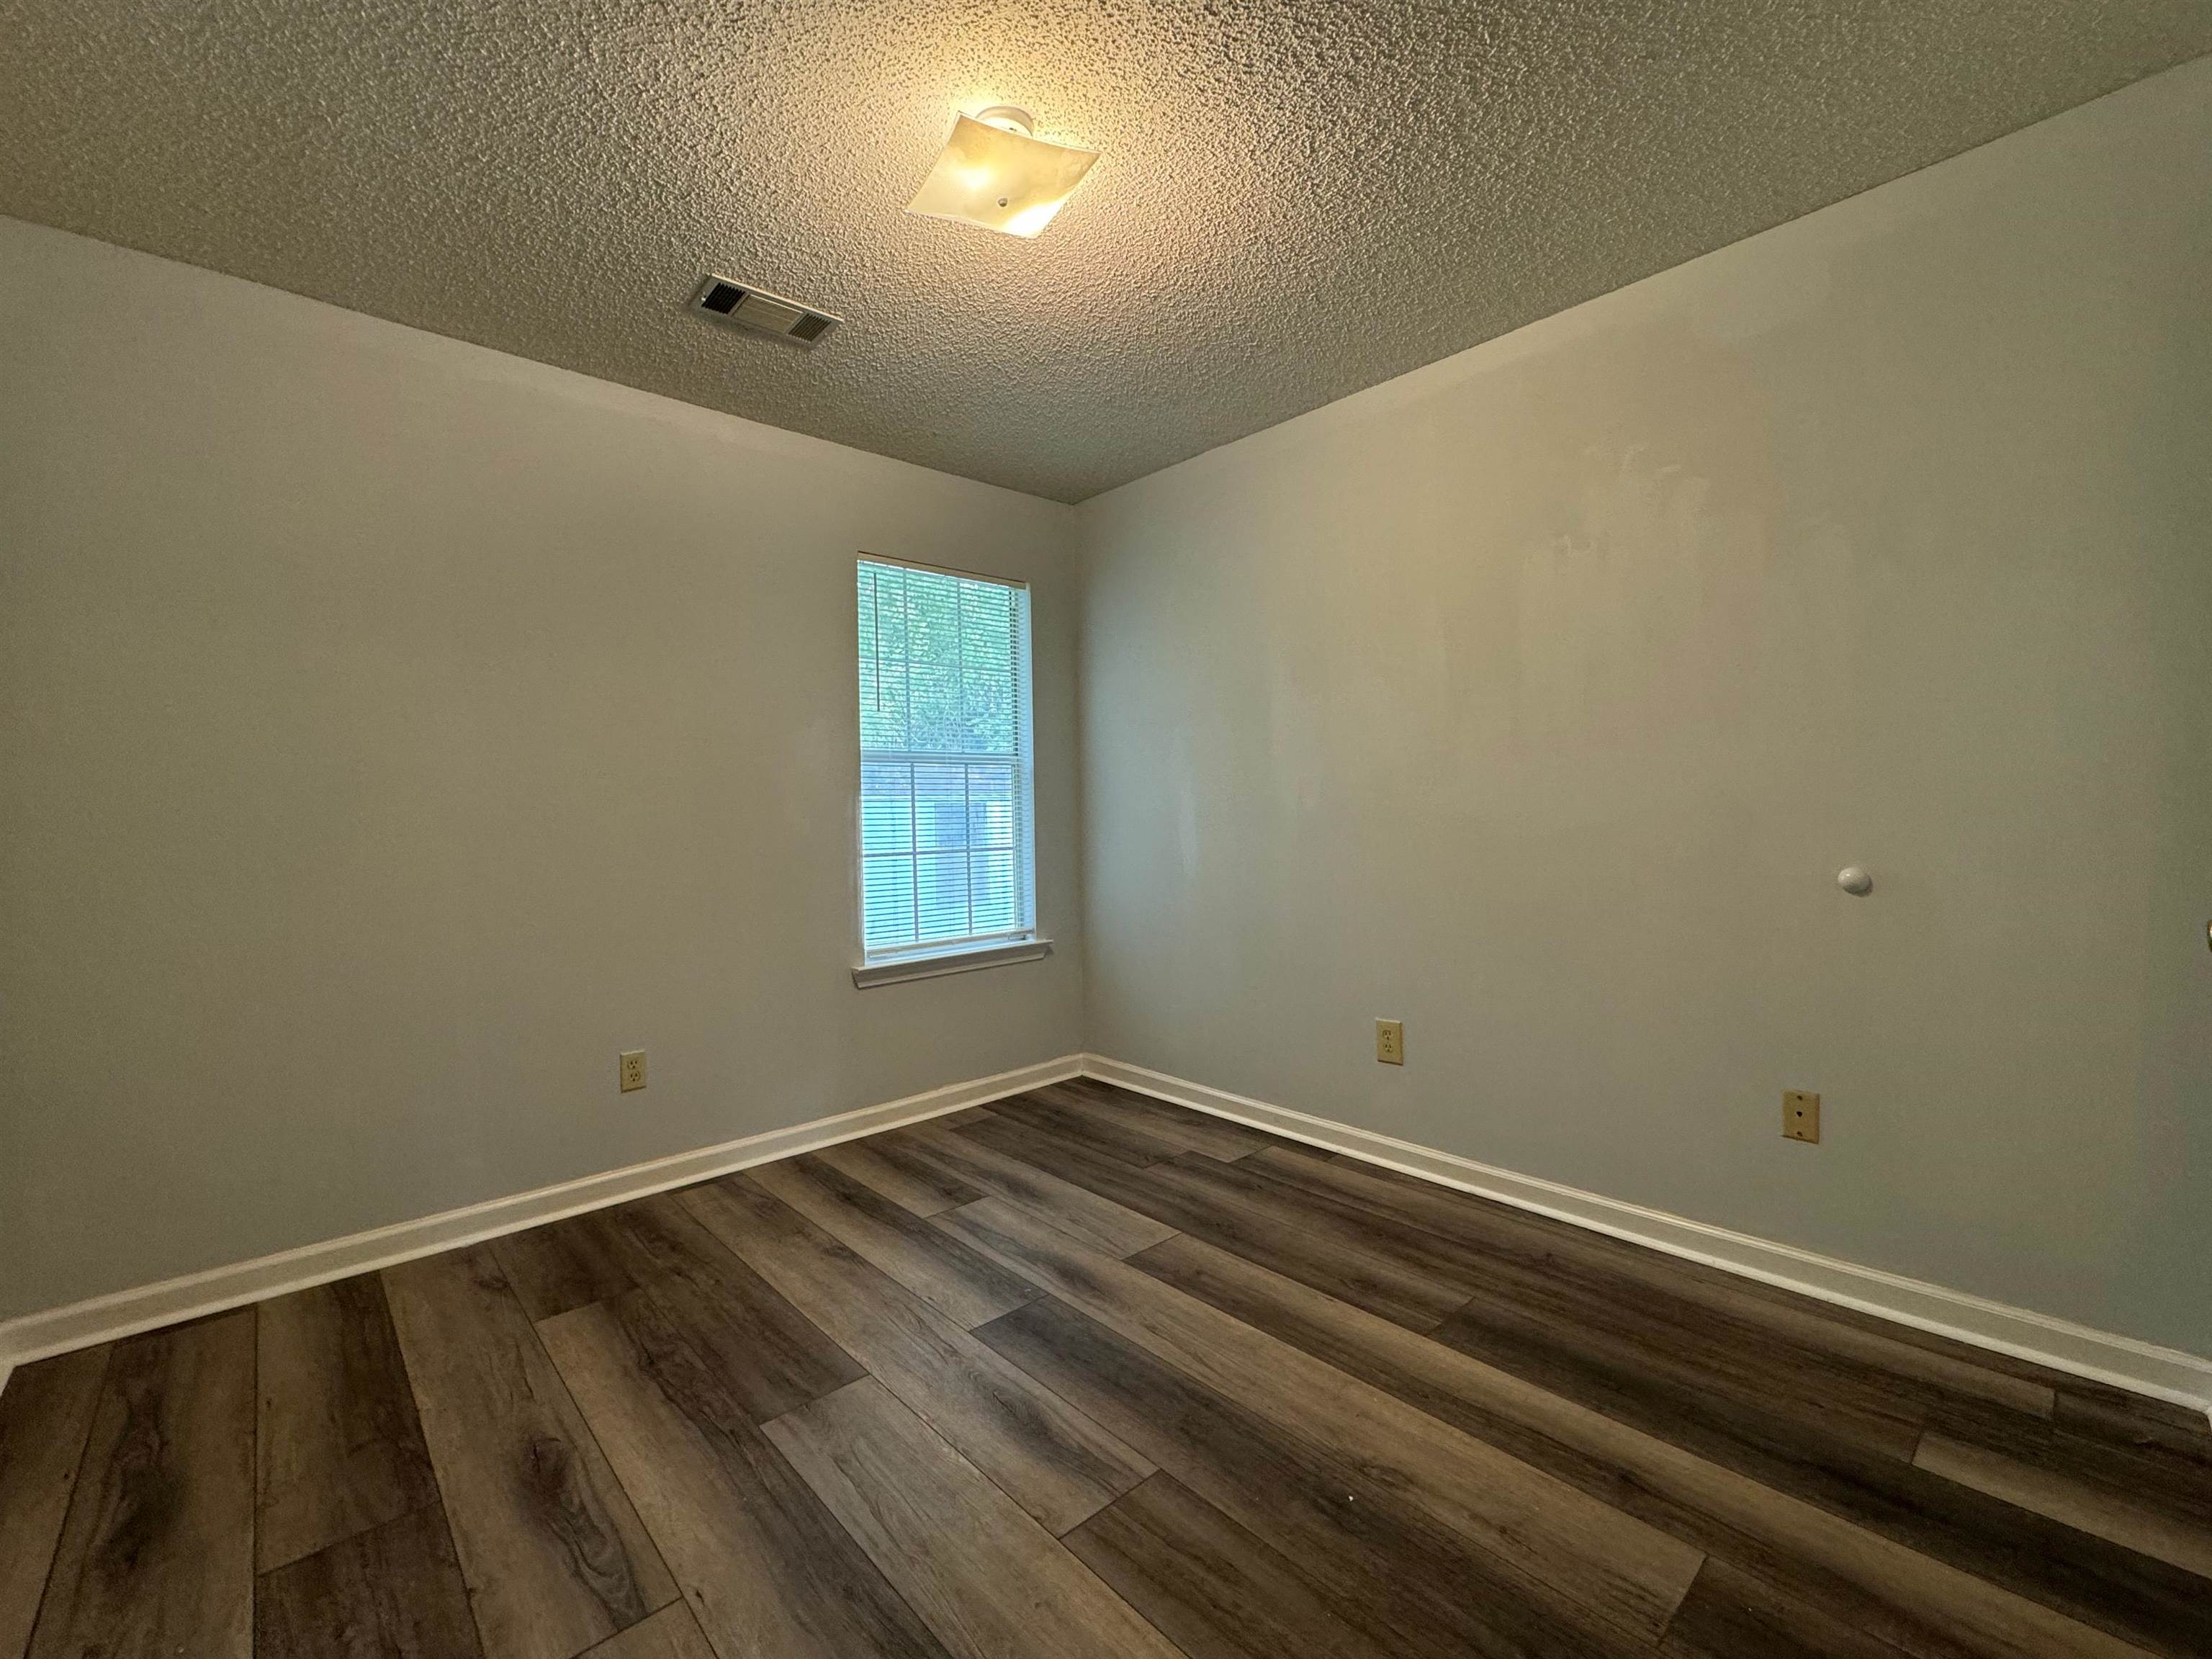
[994,172]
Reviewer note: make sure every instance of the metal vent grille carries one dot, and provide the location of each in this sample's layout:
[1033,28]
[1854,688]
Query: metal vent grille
[743,306]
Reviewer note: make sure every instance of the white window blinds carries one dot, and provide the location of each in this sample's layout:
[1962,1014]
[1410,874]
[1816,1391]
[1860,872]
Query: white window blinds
[946,852]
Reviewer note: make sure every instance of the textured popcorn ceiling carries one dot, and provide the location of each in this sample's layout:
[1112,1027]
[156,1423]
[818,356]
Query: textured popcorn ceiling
[1296,199]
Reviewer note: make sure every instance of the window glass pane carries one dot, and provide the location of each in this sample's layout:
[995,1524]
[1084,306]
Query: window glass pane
[933,623]
[990,805]
[941,803]
[883,657]
[986,646]
[944,895]
[887,900]
[993,895]
[886,807]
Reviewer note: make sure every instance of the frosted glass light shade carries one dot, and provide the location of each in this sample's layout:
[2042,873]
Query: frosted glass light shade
[1000,179]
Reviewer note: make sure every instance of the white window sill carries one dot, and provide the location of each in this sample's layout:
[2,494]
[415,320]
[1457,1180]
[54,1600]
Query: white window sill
[893,970]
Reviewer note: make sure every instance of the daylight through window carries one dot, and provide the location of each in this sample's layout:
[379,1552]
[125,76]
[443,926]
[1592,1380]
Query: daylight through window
[946,854]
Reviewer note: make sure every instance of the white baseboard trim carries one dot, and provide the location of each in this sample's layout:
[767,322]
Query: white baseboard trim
[124,1313]
[2166,1374]
[2123,1361]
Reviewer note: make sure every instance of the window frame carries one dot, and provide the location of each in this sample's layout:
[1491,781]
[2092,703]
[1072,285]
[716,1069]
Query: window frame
[928,958]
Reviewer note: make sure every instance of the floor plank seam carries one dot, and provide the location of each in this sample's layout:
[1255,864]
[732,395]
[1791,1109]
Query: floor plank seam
[76,1486]
[437,1482]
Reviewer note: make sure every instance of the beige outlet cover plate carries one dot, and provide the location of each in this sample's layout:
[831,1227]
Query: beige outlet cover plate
[1390,1042]
[630,1067]
[1800,1115]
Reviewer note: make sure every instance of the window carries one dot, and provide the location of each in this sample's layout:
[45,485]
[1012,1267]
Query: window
[947,861]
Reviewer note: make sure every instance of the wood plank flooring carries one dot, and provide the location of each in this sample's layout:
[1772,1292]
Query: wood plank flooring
[1079,1373]
[554,1554]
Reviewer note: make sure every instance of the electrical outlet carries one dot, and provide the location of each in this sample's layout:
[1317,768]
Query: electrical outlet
[1800,1115]
[1390,1042]
[631,1069]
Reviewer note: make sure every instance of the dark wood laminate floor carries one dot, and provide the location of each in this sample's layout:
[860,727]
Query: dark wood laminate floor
[1080,1374]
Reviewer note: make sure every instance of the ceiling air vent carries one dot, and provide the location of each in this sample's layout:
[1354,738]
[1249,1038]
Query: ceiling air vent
[743,305]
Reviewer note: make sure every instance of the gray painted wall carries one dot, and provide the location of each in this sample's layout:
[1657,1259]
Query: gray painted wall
[390,731]
[1536,697]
